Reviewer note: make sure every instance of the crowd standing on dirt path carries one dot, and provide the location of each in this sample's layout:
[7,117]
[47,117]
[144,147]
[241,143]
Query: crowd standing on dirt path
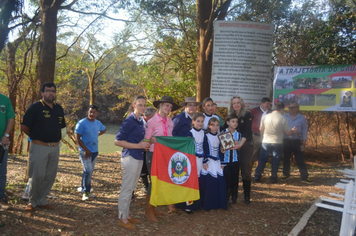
[255,134]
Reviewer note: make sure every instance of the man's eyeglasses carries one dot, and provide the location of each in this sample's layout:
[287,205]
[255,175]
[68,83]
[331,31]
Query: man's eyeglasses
[291,107]
[50,91]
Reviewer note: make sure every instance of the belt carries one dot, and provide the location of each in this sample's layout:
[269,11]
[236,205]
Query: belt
[256,134]
[49,144]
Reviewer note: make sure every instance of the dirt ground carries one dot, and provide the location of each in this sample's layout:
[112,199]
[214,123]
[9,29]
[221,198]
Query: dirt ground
[275,208]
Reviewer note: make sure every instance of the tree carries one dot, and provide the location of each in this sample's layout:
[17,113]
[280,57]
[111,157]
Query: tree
[335,41]
[48,40]
[207,13]
[8,7]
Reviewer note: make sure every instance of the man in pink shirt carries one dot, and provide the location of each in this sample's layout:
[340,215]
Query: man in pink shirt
[159,125]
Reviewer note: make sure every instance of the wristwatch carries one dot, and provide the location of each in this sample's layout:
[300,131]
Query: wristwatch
[7,135]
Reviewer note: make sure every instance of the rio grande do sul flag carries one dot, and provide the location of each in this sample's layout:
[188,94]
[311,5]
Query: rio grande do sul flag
[174,174]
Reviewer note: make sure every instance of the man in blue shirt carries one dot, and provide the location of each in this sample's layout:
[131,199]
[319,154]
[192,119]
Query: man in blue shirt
[295,143]
[183,121]
[87,132]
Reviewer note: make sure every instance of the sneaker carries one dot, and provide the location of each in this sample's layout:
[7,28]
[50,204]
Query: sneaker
[188,211]
[284,177]
[85,196]
[307,181]
[25,196]
[79,189]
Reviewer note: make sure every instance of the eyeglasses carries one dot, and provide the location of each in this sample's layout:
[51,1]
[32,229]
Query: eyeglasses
[50,91]
[291,107]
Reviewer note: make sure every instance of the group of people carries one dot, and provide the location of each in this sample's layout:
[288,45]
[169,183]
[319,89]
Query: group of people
[256,134]
[218,169]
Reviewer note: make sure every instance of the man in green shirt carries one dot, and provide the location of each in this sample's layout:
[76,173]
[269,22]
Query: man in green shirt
[7,121]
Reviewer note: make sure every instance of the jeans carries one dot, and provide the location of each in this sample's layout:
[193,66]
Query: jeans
[3,171]
[89,165]
[266,149]
[293,146]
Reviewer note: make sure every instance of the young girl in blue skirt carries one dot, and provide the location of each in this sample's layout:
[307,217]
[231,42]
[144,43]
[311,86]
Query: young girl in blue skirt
[213,185]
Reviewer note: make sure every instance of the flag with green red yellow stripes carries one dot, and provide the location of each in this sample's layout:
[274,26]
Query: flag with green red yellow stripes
[174,176]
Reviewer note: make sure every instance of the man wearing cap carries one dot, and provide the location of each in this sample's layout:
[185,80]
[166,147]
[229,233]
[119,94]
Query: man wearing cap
[183,121]
[257,114]
[7,121]
[43,122]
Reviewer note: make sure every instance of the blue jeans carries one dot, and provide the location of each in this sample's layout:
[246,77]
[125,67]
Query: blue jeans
[89,165]
[3,171]
[266,149]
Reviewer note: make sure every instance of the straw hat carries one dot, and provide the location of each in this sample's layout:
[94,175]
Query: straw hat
[166,99]
[189,100]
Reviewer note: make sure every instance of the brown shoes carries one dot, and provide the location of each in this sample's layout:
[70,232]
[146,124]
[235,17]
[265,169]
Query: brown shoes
[46,207]
[128,225]
[134,221]
[29,208]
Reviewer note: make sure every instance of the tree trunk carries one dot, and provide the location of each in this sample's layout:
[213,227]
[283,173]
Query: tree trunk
[349,140]
[91,91]
[204,11]
[6,8]
[339,135]
[48,39]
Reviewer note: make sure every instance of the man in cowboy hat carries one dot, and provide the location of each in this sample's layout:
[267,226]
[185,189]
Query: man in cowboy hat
[159,125]
[182,122]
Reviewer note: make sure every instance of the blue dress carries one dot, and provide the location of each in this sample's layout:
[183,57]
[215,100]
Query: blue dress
[213,185]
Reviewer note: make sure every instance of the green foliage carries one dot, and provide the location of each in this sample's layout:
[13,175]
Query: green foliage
[335,42]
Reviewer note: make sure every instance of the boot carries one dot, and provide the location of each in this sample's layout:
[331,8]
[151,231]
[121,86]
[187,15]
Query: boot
[144,179]
[234,194]
[247,190]
[150,210]
[228,194]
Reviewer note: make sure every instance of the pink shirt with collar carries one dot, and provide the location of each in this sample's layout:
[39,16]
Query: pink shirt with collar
[155,124]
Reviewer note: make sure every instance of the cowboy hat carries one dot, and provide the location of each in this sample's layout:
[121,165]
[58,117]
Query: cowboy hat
[166,99]
[190,100]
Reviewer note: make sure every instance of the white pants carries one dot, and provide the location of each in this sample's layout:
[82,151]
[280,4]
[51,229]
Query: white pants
[131,170]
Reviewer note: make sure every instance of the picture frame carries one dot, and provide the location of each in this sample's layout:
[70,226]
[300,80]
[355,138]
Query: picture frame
[226,140]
